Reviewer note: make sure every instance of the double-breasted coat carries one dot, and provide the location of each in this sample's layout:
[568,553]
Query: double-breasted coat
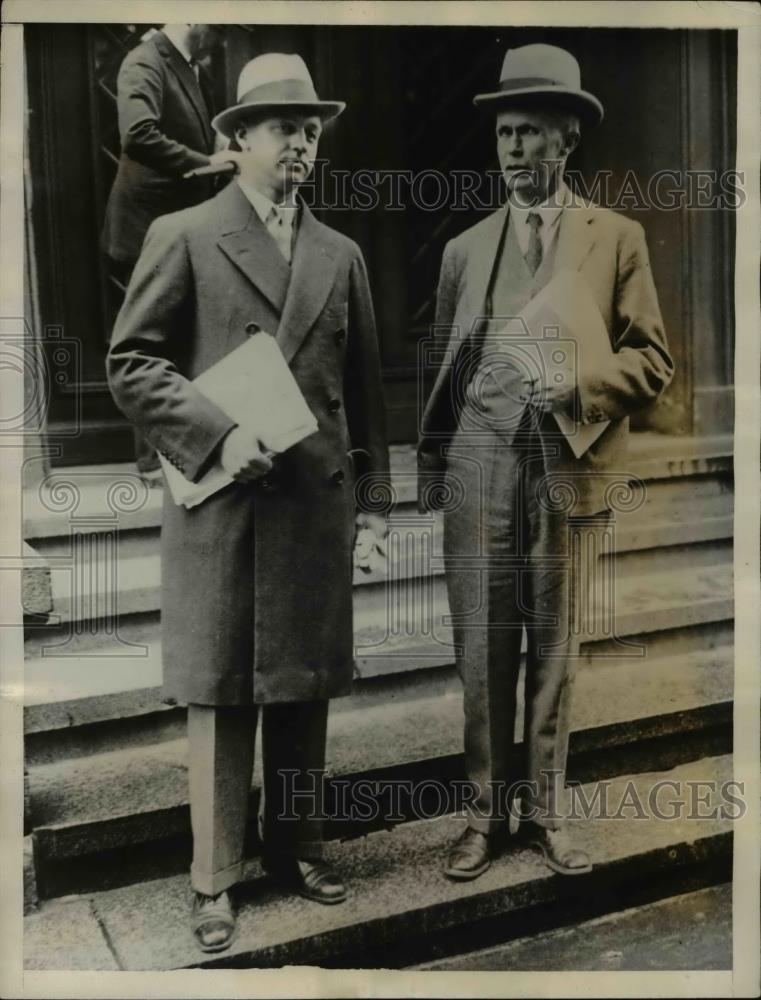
[257,580]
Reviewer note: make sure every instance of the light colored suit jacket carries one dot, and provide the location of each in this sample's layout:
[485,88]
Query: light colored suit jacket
[610,253]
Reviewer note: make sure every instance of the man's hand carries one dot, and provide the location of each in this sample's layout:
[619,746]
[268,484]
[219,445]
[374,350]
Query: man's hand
[370,542]
[226,156]
[558,397]
[377,524]
[496,383]
[243,457]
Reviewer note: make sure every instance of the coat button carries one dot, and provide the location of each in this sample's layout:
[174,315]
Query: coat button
[252,328]
[265,483]
[334,405]
[340,336]
[338,477]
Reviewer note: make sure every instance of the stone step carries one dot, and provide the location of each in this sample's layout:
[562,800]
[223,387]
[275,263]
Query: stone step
[79,497]
[105,585]
[690,931]
[98,562]
[82,709]
[116,799]
[95,682]
[384,923]
[682,503]
[643,530]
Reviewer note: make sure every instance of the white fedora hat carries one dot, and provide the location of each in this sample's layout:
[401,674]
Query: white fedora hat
[274,80]
[543,74]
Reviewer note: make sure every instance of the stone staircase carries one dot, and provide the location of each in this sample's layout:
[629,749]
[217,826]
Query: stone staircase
[108,821]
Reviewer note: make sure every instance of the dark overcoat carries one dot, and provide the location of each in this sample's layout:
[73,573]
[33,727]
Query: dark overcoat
[610,254]
[257,580]
[165,130]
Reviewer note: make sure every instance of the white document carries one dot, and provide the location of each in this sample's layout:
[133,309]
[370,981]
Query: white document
[567,335]
[255,387]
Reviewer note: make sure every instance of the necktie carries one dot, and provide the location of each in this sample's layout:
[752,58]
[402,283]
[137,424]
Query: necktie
[533,256]
[280,232]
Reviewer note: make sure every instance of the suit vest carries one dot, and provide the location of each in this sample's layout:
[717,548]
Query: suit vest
[512,285]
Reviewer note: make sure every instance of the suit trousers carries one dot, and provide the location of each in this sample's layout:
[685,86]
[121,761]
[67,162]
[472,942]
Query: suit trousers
[221,759]
[514,561]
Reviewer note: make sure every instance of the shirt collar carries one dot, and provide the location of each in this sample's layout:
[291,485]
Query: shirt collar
[263,205]
[548,211]
[174,33]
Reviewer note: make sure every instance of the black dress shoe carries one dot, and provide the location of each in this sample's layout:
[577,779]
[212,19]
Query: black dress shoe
[212,921]
[472,853]
[311,878]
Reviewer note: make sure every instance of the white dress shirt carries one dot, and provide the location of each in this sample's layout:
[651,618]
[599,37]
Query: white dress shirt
[280,220]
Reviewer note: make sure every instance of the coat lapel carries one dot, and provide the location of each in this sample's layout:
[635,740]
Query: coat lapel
[483,258]
[245,240]
[576,237]
[313,272]
[181,69]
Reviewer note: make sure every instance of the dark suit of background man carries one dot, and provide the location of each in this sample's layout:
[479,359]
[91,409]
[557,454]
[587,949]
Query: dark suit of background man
[257,580]
[165,110]
[490,438]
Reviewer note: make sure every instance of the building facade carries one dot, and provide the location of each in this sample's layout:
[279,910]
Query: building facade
[410,164]
[399,179]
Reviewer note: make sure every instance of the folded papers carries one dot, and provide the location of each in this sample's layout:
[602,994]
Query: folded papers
[567,338]
[255,387]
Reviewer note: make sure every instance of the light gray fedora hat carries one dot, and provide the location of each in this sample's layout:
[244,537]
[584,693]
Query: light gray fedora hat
[275,80]
[546,75]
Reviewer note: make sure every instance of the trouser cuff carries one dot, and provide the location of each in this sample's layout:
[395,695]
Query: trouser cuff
[212,883]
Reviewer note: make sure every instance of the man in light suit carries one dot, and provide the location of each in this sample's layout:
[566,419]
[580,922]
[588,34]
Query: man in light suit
[257,580]
[517,496]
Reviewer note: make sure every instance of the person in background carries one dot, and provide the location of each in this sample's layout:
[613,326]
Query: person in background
[164,102]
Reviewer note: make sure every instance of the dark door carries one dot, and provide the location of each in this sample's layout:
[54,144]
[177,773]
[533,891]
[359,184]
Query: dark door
[73,153]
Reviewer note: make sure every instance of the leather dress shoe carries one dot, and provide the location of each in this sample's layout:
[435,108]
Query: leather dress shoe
[212,921]
[558,850]
[311,878]
[472,853]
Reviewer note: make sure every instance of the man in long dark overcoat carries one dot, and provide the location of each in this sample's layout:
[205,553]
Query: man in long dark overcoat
[518,500]
[257,580]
